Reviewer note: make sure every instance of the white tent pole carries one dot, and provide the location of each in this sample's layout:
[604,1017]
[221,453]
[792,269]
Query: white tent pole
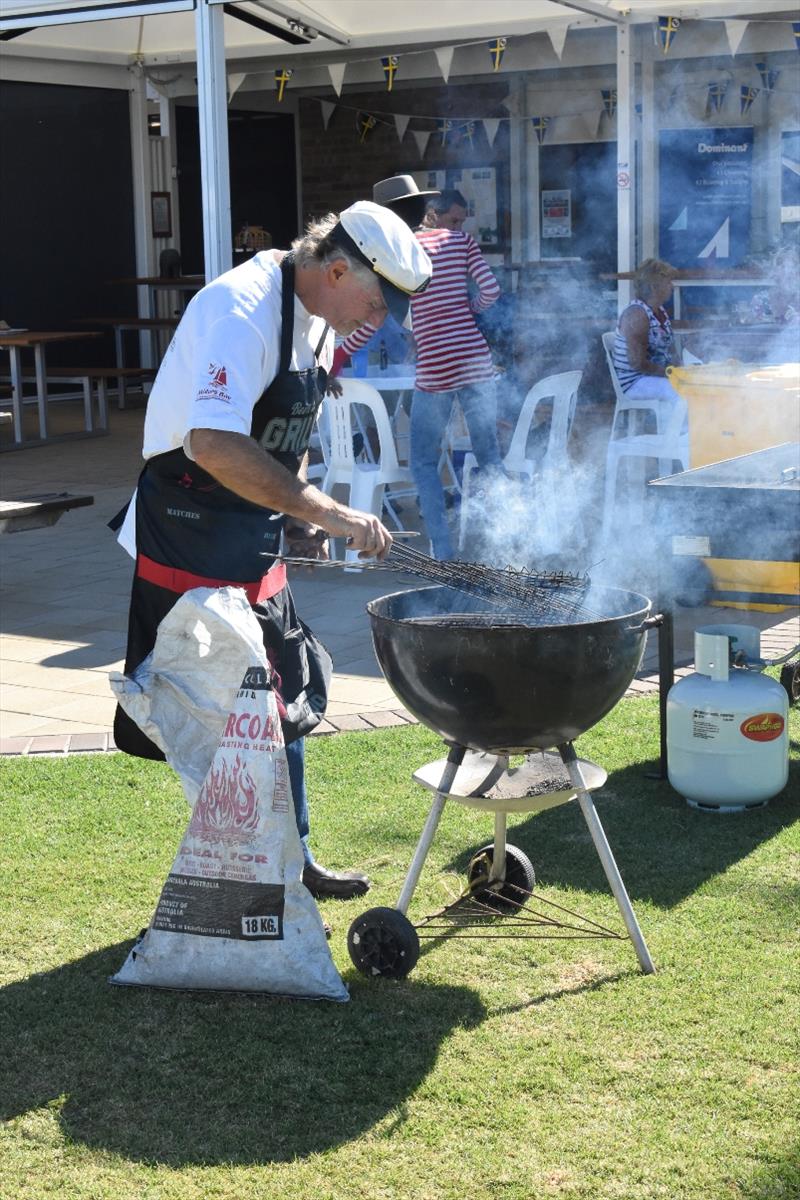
[142,186]
[648,158]
[626,180]
[212,102]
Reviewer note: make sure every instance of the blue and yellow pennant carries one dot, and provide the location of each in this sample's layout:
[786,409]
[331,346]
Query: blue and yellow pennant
[389,63]
[497,49]
[609,101]
[282,77]
[445,127]
[540,126]
[667,28]
[365,123]
[768,77]
[716,95]
[468,132]
[746,97]
[796,32]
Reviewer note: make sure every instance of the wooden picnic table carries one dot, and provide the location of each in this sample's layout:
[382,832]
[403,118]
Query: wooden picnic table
[15,341]
[163,283]
[122,325]
[39,511]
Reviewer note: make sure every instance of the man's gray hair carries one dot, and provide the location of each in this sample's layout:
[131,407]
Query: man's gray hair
[317,248]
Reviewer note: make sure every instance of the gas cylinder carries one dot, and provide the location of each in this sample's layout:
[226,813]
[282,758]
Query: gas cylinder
[727,734]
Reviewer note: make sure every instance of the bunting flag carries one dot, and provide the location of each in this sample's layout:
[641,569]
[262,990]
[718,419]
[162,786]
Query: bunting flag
[389,63]
[365,123]
[444,57]
[336,72]
[796,32]
[746,97]
[234,83]
[491,126]
[637,108]
[768,78]
[445,126]
[401,125]
[735,31]
[591,121]
[667,28]
[497,49]
[282,77]
[421,137]
[540,126]
[715,96]
[467,133]
[327,111]
[609,101]
[558,36]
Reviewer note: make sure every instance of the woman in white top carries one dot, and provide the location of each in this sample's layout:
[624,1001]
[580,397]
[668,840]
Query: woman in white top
[644,346]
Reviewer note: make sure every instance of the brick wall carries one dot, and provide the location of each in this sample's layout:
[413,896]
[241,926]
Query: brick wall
[337,169]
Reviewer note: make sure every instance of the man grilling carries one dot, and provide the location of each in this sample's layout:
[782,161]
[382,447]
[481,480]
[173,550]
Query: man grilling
[225,439]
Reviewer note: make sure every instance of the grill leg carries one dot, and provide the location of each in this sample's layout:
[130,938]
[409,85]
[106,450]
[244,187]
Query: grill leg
[454,760]
[603,849]
[498,870]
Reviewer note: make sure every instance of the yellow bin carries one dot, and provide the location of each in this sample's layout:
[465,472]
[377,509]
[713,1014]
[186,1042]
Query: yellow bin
[735,408]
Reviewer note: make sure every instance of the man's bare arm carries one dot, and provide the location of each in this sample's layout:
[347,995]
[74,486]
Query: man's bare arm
[238,464]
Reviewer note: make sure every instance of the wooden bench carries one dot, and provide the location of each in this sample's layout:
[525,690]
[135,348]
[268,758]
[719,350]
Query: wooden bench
[37,512]
[94,380]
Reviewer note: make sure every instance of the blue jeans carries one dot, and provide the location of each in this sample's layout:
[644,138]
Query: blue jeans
[430,412]
[295,756]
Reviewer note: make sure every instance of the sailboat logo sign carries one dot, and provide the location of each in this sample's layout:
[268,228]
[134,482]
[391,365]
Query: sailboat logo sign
[705,178]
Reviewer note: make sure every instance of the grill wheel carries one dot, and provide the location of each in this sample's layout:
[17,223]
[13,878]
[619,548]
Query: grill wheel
[383,942]
[513,892]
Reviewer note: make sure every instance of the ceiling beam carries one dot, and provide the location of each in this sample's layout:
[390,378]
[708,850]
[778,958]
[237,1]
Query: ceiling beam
[593,9]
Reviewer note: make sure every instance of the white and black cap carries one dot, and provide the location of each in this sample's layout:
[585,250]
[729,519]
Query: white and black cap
[379,238]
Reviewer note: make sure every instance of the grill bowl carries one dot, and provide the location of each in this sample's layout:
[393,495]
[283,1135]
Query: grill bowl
[502,687]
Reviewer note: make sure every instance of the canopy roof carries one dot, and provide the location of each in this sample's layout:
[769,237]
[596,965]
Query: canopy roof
[151,30]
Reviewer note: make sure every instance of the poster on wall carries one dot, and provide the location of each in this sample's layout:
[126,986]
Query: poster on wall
[478,186]
[790,176]
[557,213]
[705,181]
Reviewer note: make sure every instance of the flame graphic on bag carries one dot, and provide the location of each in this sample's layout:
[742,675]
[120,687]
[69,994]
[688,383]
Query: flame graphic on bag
[227,807]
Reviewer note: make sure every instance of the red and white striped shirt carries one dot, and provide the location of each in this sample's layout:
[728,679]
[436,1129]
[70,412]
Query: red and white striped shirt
[451,350]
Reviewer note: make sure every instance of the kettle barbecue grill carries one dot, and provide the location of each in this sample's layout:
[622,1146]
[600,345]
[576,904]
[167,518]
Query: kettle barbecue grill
[495,683]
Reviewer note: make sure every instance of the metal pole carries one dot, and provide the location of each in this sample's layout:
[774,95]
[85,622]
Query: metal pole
[142,222]
[603,849]
[212,101]
[626,183]
[454,760]
[498,871]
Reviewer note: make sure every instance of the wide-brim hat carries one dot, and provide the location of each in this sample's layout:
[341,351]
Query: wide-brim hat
[397,187]
[377,237]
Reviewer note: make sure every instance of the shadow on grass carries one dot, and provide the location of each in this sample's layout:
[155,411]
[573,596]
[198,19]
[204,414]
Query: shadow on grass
[664,849]
[178,1079]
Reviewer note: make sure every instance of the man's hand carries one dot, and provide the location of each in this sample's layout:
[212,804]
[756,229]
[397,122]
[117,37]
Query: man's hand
[304,540]
[334,387]
[363,531]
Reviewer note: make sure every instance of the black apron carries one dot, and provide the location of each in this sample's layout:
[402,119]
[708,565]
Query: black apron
[193,532]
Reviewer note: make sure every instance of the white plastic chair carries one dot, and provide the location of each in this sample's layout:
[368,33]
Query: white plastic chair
[562,392]
[661,409]
[366,481]
[670,442]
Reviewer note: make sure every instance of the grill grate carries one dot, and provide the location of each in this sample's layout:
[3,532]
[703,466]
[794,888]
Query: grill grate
[550,595]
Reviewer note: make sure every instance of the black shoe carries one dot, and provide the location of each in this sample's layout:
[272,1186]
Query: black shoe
[334,885]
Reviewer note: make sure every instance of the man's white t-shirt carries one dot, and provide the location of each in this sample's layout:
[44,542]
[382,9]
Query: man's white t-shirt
[225,352]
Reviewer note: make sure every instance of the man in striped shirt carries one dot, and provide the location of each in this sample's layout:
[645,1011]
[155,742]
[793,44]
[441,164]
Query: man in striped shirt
[453,360]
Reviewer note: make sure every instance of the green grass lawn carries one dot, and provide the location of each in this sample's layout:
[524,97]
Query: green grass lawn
[499,1070]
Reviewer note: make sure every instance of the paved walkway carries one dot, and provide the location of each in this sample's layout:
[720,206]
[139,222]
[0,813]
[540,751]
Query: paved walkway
[64,599]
